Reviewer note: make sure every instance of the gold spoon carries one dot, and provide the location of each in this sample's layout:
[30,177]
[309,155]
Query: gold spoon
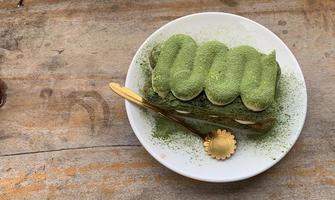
[219,145]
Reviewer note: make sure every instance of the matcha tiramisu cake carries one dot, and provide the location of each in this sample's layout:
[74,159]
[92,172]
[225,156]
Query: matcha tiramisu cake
[235,88]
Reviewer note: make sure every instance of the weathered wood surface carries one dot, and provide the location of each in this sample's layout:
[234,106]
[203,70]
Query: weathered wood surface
[64,135]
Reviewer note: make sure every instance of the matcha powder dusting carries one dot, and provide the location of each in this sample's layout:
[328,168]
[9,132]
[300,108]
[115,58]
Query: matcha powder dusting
[163,129]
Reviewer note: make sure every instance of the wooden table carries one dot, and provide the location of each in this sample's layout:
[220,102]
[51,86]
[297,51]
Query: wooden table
[65,135]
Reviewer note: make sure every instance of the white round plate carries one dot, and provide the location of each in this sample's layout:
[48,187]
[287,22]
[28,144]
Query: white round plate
[185,155]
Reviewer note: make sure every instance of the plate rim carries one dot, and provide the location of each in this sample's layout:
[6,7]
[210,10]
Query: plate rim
[181,172]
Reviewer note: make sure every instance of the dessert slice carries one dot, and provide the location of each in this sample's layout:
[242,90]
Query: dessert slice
[215,84]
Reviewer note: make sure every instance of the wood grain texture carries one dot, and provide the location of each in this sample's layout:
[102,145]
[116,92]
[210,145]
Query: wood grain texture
[130,173]
[65,135]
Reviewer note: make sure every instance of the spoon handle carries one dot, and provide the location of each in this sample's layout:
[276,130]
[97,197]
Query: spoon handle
[131,96]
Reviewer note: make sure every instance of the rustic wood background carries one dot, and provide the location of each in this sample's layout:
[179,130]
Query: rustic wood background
[65,135]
